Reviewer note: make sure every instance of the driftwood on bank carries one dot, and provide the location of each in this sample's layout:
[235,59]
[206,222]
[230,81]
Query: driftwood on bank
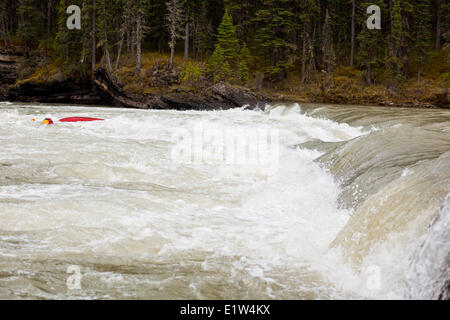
[115,92]
[104,89]
[219,96]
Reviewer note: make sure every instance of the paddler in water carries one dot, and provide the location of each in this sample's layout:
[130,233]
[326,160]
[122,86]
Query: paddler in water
[47,122]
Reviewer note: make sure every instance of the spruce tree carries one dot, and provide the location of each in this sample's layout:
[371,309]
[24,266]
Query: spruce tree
[31,23]
[422,32]
[69,43]
[224,62]
[4,23]
[227,40]
[203,34]
[244,62]
[309,12]
[274,41]
[394,59]
[217,65]
[327,45]
[371,42]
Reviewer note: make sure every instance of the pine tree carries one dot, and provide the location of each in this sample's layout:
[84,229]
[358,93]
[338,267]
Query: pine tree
[156,14]
[139,11]
[244,62]
[283,36]
[93,35]
[353,33]
[191,9]
[327,45]
[217,65]
[422,32]
[31,23]
[407,38]
[309,11]
[4,23]
[69,44]
[438,6]
[224,62]
[227,40]
[174,25]
[274,37]
[203,34]
[242,12]
[371,42]
[395,41]
[104,28]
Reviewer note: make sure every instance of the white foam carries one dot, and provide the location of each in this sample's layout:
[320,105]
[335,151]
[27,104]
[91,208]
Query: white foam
[110,188]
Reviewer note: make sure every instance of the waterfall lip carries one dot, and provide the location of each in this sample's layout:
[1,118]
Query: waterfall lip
[386,153]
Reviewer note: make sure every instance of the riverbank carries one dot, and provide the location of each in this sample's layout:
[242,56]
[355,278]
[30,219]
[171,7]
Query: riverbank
[412,95]
[184,87]
[27,80]
[347,86]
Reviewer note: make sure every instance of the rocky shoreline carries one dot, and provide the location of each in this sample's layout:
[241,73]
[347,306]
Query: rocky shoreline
[219,96]
[103,89]
[10,63]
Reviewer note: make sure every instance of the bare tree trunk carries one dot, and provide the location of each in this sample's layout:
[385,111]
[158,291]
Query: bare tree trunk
[49,17]
[108,58]
[369,74]
[352,52]
[4,31]
[418,73]
[304,59]
[186,41]
[106,44]
[128,40]
[94,31]
[438,25]
[316,54]
[138,44]
[172,54]
[174,20]
[160,44]
[133,44]
[406,66]
[119,52]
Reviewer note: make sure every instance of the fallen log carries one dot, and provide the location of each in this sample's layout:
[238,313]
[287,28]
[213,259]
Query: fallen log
[114,90]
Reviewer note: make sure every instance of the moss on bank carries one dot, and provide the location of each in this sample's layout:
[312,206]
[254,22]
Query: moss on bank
[346,85]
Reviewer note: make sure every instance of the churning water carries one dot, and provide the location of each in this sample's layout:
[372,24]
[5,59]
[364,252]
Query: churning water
[357,208]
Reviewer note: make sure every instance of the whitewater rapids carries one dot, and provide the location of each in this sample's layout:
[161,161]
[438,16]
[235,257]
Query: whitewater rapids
[357,208]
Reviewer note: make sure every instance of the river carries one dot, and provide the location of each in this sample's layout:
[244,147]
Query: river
[355,205]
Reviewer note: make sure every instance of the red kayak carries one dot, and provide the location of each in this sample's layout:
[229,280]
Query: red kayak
[80,119]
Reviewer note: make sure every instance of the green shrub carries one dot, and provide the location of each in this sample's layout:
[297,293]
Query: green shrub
[191,73]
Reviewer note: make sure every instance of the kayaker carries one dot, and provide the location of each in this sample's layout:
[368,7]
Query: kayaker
[47,122]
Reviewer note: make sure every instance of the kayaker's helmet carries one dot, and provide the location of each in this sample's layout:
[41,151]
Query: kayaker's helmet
[47,121]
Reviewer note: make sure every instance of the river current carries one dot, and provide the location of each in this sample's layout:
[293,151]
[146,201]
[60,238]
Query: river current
[356,207]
